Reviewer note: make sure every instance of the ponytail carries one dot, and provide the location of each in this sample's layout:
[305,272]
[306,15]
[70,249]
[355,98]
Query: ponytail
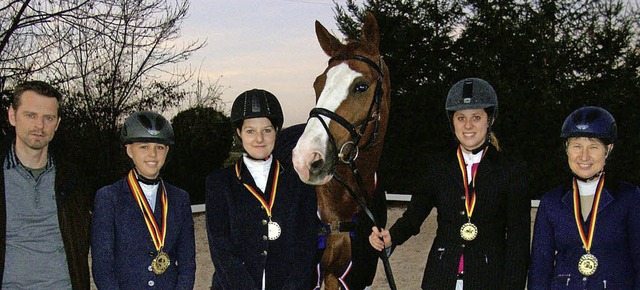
[494,141]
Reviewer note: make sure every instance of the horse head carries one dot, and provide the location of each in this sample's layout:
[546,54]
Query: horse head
[352,106]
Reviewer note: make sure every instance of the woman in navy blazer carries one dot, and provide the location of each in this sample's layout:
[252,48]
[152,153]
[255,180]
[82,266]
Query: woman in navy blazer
[261,219]
[587,232]
[482,240]
[142,234]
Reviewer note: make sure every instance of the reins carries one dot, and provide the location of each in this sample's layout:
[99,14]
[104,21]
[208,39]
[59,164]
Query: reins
[356,137]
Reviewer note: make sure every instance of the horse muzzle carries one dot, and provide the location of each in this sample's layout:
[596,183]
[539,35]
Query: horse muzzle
[314,166]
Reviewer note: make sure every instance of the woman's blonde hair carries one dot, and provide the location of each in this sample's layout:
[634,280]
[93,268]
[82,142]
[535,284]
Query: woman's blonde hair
[494,141]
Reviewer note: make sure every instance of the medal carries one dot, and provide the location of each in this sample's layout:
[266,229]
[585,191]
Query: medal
[587,264]
[273,230]
[468,231]
[160,263]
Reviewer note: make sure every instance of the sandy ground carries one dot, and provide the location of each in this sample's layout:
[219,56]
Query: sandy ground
[407,262]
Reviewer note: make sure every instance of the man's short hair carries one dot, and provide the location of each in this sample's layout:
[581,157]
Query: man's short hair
[40,87]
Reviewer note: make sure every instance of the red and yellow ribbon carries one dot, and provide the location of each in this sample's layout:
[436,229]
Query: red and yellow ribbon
[470,198]
[587,238]
[157,234]
[274,186]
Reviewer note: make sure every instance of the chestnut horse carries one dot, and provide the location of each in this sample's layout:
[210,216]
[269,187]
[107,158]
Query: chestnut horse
[340,147]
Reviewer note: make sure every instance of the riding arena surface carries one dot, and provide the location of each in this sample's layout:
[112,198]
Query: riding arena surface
[407,262]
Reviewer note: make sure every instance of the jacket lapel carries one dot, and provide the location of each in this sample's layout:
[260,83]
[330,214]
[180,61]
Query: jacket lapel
[454,167]
[486,166]
[605,199]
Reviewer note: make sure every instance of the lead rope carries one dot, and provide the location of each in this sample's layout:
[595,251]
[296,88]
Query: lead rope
[363,206]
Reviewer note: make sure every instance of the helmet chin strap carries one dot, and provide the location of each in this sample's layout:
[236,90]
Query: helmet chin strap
[477,150]
[598,174]
[594,177]
[145,180]
[256,159]
[487,141]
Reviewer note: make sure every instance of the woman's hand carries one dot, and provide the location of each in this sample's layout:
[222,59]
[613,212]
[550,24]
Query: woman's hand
[380,240]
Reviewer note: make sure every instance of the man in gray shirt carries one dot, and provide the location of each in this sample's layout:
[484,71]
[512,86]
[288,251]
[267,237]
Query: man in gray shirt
[44,207]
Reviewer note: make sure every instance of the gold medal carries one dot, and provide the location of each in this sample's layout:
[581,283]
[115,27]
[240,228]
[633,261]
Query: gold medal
[160,263]
[273,231]
[273,228]
[158,232]
[468,231]
[587,264]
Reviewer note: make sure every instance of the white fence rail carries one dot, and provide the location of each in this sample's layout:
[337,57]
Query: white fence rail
[196,208]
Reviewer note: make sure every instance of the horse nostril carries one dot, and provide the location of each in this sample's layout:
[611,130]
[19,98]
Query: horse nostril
[316,166]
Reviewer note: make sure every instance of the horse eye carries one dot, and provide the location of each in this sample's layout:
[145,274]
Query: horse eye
[361,88]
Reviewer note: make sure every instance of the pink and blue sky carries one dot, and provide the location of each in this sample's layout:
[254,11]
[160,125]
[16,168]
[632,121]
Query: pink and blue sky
[268,44]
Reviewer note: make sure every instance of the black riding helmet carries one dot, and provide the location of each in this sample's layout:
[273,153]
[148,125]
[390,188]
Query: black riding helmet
[472,93]
[146,126]
[257,103]
[469,94]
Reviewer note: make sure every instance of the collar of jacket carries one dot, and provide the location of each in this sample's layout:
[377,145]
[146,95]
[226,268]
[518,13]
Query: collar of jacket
[606,197]
[487,164]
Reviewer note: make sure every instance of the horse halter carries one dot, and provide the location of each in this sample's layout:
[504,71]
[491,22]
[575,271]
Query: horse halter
[351,146]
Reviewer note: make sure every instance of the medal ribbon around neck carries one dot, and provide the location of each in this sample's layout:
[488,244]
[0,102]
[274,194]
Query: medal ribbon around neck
[257,195]
[157,234]
[469,198]
[587,238]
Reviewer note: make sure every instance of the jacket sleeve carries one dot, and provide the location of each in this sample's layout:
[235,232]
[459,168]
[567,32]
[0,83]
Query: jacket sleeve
[103,240]
[301,276]
[634,235]
[422,202]
[518,230]
[542,250]
[409,224]
[186,246]
[230,271]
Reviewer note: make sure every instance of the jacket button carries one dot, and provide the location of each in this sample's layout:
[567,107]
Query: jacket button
[462,245]
[264,253]
[151,254]
[264,222]
[151,283]
[150,269]
[264,238]
[462,212]
[584,278]
[462,197]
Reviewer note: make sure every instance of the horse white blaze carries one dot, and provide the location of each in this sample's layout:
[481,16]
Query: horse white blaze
[312,145]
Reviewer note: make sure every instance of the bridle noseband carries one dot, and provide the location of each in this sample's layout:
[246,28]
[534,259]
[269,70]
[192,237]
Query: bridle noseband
[351,146]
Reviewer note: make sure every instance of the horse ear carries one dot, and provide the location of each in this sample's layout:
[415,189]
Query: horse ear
[370,31]
[329,43]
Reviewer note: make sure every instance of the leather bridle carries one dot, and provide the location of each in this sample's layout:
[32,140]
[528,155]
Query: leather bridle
[349,150]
